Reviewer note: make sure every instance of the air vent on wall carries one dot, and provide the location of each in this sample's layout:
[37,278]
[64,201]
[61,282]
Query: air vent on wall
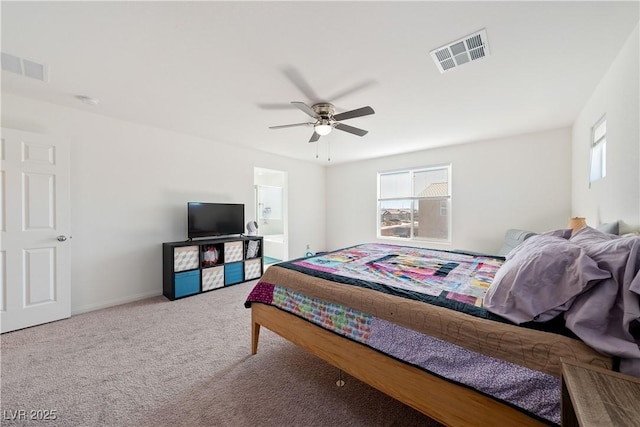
[24,67]
[459,52]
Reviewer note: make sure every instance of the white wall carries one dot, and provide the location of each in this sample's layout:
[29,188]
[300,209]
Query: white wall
[617,196]
[517,182]
[129,188]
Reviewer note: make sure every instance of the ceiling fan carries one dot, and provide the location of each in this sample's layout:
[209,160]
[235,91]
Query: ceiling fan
[326,120]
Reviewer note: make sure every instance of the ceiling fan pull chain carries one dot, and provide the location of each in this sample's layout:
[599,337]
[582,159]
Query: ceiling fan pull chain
[317,143]
[328,151]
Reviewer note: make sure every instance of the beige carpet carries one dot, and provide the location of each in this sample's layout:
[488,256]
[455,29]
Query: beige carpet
[180,363]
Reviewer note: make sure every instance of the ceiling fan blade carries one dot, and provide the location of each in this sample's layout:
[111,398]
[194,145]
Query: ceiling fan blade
[275,106]
[314,137]
[364,111]
[304,107]
[290,126]
[351,129]
[352,89]
[299,81]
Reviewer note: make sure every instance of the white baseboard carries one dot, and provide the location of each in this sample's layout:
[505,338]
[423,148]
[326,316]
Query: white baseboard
[114,302]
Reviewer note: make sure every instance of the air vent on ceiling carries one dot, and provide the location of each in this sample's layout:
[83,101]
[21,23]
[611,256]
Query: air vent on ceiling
[459,52]
[24,67]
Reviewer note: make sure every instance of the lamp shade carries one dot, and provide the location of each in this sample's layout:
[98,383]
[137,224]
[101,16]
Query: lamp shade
[576,223]
[323,129]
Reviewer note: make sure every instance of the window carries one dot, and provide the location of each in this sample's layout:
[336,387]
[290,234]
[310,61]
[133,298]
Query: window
[415,204]
[598,151]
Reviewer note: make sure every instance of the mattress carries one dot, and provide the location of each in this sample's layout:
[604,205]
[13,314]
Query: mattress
[536,349]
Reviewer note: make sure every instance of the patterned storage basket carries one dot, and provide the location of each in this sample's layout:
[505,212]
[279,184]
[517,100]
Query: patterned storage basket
[252,269]
[233,251]
[212,278]
[185,258]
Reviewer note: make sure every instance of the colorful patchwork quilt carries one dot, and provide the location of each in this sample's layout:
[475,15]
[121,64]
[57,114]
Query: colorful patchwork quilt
[463,277]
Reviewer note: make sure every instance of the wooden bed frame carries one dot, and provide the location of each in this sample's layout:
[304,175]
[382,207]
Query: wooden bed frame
[442,400]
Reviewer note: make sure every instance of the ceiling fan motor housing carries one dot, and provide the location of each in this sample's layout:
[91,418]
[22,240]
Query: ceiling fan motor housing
[324,110]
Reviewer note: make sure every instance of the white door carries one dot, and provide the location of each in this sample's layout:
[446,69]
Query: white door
[34,218]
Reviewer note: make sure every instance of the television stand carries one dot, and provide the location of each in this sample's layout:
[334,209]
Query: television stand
[195,266]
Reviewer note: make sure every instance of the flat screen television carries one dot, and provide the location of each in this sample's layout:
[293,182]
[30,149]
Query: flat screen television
[214,219]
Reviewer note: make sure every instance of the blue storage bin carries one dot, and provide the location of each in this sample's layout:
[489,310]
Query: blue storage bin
[187,283]
[233,273]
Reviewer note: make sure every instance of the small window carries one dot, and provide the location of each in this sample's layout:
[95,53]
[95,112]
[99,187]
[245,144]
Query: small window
[415,204]
[598,151]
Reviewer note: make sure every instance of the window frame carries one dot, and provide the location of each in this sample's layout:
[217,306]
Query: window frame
[594,144]
[414,200]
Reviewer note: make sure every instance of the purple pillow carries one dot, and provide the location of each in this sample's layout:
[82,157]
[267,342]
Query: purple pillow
[564,233]
[541,279]
[589,235]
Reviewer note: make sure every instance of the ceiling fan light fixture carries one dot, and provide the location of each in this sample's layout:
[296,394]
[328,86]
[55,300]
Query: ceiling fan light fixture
[323,128]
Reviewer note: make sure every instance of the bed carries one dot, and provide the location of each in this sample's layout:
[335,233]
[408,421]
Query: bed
[411,323]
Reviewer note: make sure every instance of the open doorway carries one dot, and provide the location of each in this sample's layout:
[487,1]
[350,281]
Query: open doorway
[271,213]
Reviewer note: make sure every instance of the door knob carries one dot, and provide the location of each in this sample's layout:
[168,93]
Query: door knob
[61,238]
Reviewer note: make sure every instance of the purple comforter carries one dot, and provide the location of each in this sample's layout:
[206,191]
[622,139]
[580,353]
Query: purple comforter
[607,316]
[593,278]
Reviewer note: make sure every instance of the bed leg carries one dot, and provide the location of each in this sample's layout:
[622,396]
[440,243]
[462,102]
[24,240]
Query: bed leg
[255,334]
[340,382]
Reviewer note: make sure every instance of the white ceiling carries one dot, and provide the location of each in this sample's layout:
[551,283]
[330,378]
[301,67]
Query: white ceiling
[226,71]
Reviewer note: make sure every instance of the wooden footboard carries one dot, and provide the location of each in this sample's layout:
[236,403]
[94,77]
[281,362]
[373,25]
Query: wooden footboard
[444,401]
